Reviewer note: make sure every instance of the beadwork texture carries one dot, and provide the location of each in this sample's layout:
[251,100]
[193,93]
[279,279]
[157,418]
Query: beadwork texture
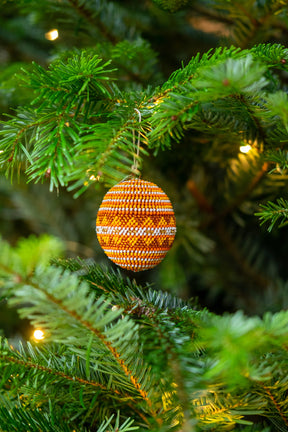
[136,224]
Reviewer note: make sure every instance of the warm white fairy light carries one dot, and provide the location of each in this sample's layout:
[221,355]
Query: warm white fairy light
[38,334]
[52,35]
[93,178]
[245,148]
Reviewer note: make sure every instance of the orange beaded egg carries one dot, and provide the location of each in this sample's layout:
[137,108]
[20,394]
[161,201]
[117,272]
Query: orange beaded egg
[136,224]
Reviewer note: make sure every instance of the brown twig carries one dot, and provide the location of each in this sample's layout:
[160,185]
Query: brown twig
[93,20]
[258,126]
[224,236]
[275,403]
[50,371]
[245,194]
[200,199]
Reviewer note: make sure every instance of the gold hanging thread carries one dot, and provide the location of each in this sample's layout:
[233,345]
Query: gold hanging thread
[135,165]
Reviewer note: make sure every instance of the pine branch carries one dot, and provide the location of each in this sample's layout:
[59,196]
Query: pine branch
[277,104]
[280,158]
[283,415]
[244,174]
[64,136]
[61,143]
[259,175]
[90,20]
[160,332]
[126,293]
[55,374]
[202,91]
[98,333]
[68,85]
[251,19]
[274,212]
[171,5]
[273,55]
[213,409]
[259,280]
[226,239]
[110,163]
[65,306]
[112,147]
[18,419]
[235,346]
[137,60]
[27,254]
[13,132]
[47,366]
[93,20]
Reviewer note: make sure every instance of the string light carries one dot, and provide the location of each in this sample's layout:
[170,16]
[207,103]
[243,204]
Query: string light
[93,178]
[245,148]
[52,35]
[38,334]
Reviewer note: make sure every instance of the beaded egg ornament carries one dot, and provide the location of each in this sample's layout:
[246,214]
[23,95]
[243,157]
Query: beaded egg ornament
[136,224]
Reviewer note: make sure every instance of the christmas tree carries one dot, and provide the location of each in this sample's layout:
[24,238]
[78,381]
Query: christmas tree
[181,96]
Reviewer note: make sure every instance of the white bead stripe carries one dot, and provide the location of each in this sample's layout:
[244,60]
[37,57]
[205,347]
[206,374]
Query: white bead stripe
[113,200]
[137,231]
[142,210]
[139,183]
[117,259]
[135,192]
[134,251]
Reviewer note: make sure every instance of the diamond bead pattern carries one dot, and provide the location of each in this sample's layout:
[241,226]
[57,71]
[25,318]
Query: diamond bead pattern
[136,224]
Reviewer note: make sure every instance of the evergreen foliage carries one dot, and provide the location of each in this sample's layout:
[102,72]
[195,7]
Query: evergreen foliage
[189,363]
[126,91]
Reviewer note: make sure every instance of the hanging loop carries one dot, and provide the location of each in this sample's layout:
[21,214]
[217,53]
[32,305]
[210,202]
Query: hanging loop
[136,147]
